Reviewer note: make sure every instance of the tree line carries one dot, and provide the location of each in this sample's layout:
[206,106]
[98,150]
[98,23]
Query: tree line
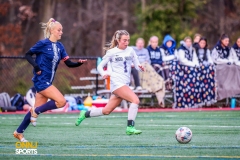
[89,24]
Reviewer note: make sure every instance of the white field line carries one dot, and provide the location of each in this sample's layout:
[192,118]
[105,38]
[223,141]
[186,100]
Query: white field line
[121,156]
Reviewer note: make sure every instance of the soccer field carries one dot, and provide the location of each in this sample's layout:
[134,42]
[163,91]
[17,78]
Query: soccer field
[216,135]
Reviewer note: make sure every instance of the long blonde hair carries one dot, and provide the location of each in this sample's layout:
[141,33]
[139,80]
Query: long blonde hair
[48,26]
[117,36]
[186,38]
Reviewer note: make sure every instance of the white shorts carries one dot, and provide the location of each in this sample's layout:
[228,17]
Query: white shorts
[114,86]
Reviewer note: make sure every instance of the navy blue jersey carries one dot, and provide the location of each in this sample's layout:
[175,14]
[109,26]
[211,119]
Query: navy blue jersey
[48,56]
[155,55]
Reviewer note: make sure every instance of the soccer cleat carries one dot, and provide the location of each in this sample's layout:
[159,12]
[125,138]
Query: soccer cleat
[80,118]
[131,130]
[34,116]
[19,136]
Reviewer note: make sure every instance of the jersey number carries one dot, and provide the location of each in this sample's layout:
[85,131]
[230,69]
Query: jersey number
[125,66]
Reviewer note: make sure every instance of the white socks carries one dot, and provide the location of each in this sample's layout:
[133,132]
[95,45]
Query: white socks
[95,112]
[132,111]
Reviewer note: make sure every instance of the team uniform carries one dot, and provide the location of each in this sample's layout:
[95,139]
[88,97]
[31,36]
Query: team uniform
[119,66]
[235,50]
[187,93]
[48,56]
[47,51]
[221,55]
[169,56]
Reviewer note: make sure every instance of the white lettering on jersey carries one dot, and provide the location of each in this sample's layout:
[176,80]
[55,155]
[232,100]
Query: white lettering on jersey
[120,63]
[155,55]
[152,53]
[55,60]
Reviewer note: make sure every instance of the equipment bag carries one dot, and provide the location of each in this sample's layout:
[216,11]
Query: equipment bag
[5,103]
[17,101]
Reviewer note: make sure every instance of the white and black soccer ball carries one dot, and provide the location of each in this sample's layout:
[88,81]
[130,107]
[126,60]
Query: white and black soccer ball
[183,135]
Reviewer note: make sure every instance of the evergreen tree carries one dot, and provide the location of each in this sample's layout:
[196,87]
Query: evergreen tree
[161,17]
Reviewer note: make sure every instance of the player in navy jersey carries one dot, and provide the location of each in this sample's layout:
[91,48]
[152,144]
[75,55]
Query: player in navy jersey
[48,53]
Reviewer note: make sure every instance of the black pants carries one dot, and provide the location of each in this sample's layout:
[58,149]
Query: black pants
[134,72]
[163,72]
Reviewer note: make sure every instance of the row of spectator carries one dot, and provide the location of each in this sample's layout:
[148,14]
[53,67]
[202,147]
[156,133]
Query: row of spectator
[189,70]
[189,54]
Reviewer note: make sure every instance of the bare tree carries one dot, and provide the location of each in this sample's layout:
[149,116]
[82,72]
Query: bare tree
[218,17]
[104,24]
[47,10]
[143,8]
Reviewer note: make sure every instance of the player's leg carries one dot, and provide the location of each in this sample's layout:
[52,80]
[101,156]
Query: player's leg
[126,93]
[113,102]
[57,101]
[40,100]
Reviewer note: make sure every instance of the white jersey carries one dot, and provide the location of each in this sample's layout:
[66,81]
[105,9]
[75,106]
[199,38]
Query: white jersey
[119,66]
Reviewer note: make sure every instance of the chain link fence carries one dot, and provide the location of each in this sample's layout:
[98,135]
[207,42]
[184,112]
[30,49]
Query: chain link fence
[16,75]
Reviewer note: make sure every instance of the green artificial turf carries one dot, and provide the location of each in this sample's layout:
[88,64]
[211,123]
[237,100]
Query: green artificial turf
[216,135]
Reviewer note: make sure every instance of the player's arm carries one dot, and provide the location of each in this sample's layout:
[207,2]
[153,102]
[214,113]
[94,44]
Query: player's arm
[71,64]
[67,61]
[102,64]
[30,59]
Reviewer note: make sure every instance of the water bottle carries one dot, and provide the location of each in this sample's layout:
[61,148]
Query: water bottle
[99,59]
[233,103]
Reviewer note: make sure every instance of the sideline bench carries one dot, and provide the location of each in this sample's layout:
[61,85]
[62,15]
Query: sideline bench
[141,94]
[87,86]
[90,78]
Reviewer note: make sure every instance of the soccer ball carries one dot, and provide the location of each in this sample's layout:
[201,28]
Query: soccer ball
[183,135]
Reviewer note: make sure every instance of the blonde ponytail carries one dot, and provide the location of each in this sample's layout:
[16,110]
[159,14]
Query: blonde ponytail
[48,26]
[116,37]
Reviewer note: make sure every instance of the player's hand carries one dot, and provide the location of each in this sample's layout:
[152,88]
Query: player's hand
[82,60]
[39,72]
[141,67]
[106,76]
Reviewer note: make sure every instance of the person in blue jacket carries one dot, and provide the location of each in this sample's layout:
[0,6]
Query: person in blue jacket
[169,57]
[48,53]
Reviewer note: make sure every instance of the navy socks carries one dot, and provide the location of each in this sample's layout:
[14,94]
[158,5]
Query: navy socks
[26,121]
[47,106]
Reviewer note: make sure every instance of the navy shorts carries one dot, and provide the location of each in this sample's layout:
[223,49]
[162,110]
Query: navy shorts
[41,85]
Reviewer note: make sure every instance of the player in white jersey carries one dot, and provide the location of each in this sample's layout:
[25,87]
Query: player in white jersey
[119,66]
[118,58]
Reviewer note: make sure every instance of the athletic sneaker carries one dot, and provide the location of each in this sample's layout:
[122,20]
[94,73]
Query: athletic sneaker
[131,130]
[138,88]
[80,118]
[34,116]
[19,136]
[131,87]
